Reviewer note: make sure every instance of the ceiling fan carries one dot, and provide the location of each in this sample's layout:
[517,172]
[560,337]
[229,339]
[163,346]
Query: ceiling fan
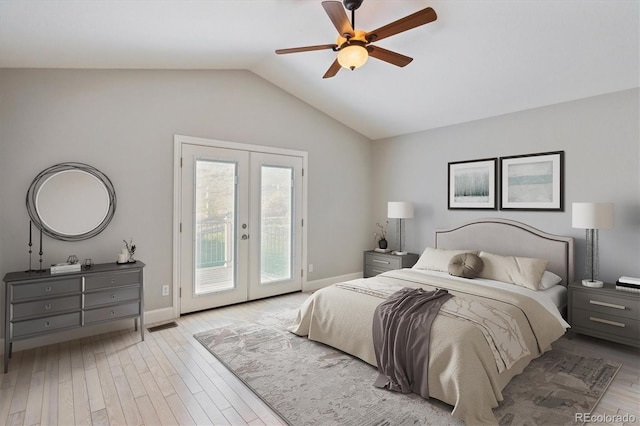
[354,46]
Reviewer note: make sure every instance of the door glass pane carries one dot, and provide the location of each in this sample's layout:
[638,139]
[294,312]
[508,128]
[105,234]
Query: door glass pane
[215,215]
[276,213]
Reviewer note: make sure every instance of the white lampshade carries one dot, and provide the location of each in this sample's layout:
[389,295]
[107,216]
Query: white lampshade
[353,56]
[399,210]
[592,215]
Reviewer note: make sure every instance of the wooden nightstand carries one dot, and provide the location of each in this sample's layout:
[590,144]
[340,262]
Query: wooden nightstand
[605,312]
[376,263]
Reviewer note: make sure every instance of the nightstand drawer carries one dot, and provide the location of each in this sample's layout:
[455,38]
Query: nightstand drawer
[619,326]
[372,270]
[609,304]
[376,263]
[381,261]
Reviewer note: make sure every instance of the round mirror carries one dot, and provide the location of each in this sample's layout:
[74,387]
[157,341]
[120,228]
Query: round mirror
[71,201]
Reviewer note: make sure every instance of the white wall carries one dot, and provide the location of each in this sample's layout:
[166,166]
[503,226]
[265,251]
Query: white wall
[123,122]
[601,140]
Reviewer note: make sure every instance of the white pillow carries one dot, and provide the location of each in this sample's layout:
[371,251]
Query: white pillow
[523,271]
[549,279]
[435,259]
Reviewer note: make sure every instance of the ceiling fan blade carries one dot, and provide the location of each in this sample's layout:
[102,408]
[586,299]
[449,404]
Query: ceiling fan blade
[333,69]
[306,48]
[389,56]
[421,17]
[339,17]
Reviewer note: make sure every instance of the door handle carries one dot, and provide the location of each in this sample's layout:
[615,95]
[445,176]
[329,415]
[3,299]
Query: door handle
[245,237]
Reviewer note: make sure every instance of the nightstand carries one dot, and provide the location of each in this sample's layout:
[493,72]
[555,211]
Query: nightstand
[605,312]
[376,263]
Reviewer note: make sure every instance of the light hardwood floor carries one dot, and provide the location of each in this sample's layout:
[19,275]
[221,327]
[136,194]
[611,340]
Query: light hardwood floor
[169,379]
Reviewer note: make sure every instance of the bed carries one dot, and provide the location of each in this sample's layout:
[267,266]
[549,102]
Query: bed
[464,366]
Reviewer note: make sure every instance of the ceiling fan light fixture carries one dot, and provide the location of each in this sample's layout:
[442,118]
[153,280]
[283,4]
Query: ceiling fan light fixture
[353,56]
[354,46]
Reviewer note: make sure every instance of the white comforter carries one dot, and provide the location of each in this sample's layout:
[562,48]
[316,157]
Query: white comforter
[462,367]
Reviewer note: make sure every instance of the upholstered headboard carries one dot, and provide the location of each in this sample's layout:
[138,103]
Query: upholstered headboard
[511,238]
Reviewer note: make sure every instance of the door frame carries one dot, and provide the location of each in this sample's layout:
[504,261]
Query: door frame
[178,141]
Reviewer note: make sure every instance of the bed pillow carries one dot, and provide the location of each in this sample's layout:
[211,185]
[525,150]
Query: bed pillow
[466,265]
[548,280]
[523,271]
[435,259]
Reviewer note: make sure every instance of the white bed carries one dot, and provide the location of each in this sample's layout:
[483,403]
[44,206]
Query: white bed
[464,369]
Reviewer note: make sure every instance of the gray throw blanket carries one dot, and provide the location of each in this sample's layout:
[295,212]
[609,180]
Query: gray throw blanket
[401,333]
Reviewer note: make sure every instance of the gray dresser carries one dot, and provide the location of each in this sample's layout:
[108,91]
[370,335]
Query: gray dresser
[376,263]
[42,303]
[605,312]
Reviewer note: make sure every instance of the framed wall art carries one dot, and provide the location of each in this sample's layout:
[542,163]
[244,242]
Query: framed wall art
[473,184]
[532,182]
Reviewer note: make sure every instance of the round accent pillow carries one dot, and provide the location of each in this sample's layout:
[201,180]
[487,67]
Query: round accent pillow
[466,265]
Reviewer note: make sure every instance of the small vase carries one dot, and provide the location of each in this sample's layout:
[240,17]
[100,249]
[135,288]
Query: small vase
[382,243]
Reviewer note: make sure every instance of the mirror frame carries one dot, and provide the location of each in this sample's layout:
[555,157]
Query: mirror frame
[43,176]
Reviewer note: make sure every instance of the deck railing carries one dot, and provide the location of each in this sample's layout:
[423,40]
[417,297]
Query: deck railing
[214,245]
[213,242]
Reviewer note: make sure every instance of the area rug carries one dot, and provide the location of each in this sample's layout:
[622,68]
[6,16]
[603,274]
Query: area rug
[308,383]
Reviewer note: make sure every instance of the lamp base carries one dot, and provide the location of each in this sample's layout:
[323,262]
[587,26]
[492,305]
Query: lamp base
[589,283]
[400,253]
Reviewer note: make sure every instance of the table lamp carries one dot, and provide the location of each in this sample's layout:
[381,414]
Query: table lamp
[400,210]
[592,217]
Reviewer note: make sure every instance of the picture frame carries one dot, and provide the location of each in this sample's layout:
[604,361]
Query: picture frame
[532,182]
[473,184]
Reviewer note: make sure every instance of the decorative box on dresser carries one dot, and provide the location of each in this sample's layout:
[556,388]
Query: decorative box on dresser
[39,303]
[377,262]
[605,313]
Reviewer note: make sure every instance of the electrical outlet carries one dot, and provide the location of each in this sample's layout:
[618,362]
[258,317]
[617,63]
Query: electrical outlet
[165,290]
[311,267]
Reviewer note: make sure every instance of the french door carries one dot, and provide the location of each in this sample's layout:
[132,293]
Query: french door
[241,225]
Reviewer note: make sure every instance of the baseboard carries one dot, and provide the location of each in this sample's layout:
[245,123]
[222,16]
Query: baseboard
[325,282]
[150,317]
[158,315]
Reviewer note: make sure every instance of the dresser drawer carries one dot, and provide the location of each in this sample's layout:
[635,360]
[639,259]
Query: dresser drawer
[609,304]
[45,325]
[45,288]
[619,326]
[93,282]
[111,313]
[387,262]
[48,306]
[112,296]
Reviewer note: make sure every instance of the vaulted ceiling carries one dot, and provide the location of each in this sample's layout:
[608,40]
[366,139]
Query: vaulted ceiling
[480,58]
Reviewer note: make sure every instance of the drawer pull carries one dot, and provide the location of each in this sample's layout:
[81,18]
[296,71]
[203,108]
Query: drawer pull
[607,305]
[113,313]
[378,271]
[380,261]
[47,306]
[113,296]
[604,321]
[113,281]
[47,288]
[47,324]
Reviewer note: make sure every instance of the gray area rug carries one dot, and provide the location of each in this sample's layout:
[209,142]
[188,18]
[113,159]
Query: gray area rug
[309,383]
